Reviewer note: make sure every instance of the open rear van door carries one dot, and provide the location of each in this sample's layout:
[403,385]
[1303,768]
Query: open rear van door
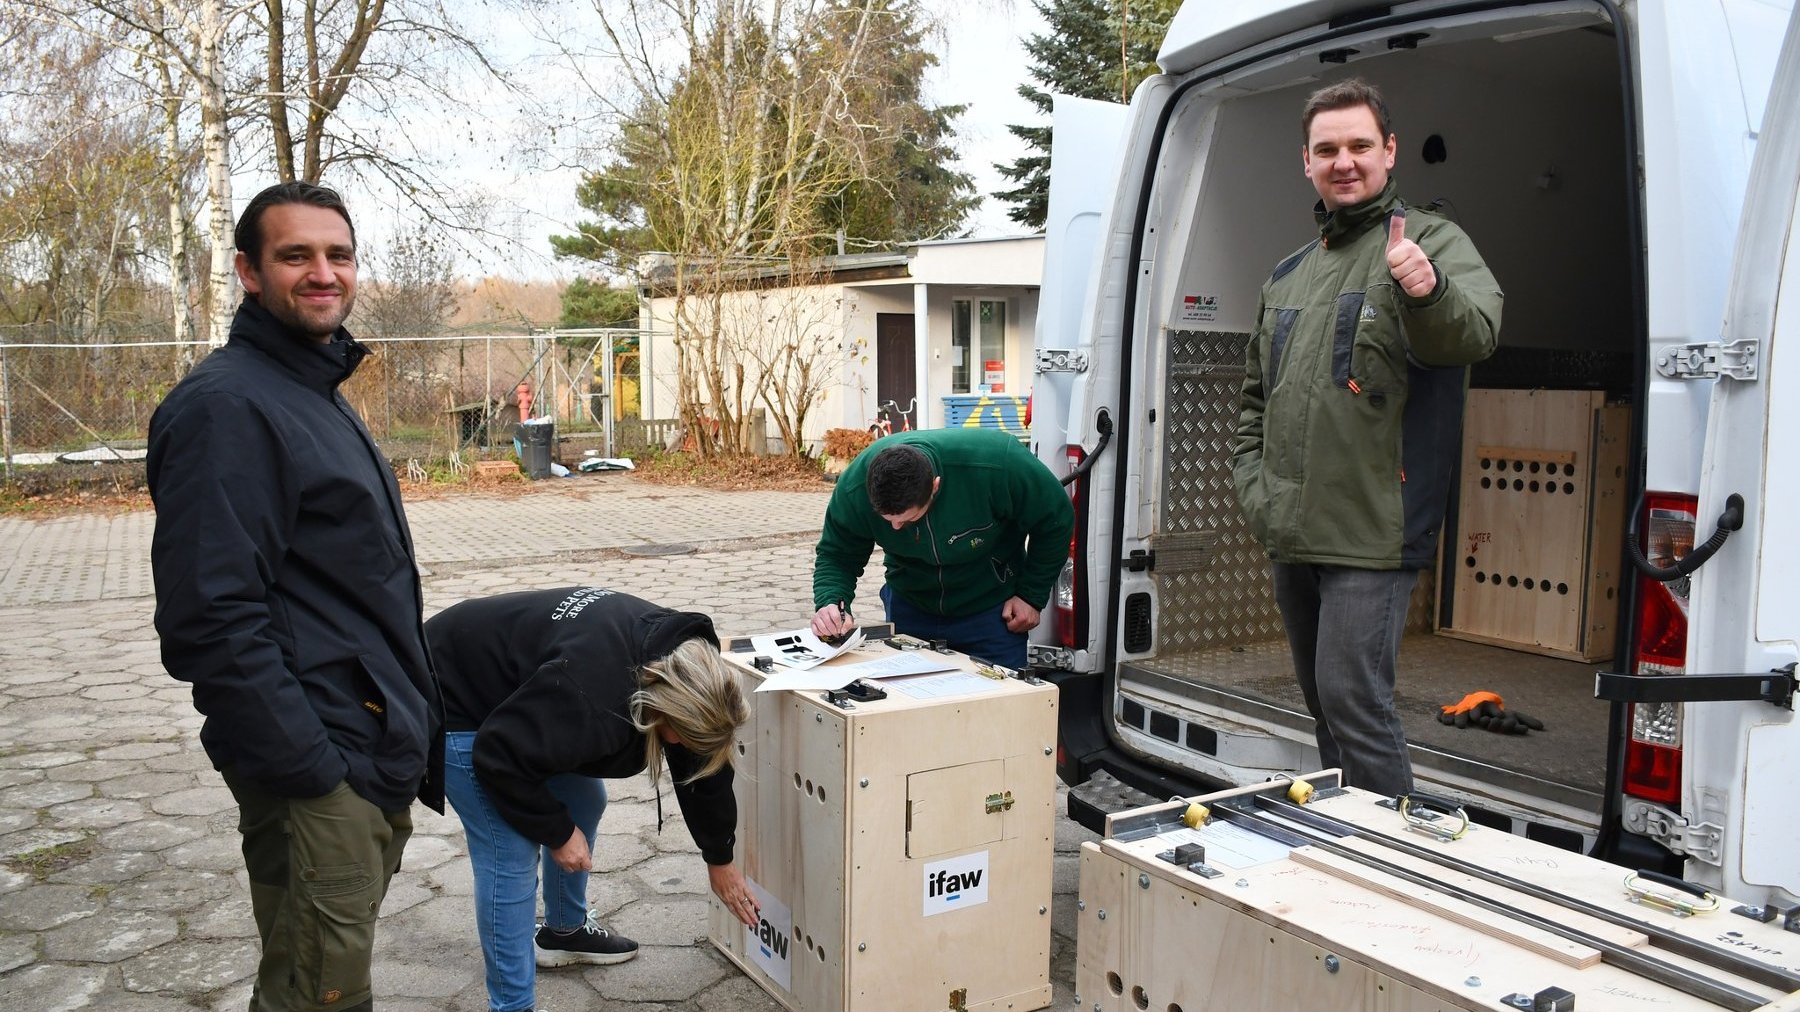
[1735,707]
[1085,146]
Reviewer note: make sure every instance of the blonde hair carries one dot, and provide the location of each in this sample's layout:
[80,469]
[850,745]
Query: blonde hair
[694,693]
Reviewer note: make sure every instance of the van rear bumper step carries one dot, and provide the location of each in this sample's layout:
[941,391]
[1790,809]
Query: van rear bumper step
[1101,795]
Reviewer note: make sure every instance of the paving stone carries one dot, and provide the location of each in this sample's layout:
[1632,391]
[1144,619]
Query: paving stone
[47,987]
[737,994]
[43,907]
[424,852]
[452,878]
[614,853]
[191,967]
[230,917]
[14,819]
[672,873]
[15,777]
[153,834]
[135,751]
[660,973]
[13,881]
[419,979]
[29,840]
[43,794]
[607,894]
[108,867]
[404,893]
[93,678]
[96,813]
[194,761]
[92,770]
[208,800]
[215,852]
[119,935]
[662,922]
[16,950]
[172,891]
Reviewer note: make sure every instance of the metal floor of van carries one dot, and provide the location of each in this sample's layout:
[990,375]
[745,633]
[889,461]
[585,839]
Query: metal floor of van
[1569,754]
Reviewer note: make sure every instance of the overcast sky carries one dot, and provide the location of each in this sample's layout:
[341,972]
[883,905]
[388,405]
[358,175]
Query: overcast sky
[982,63]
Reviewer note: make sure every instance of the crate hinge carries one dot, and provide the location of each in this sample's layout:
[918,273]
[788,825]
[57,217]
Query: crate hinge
[1709,360]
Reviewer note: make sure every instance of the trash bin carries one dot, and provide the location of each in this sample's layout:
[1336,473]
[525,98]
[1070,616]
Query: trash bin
[535,442]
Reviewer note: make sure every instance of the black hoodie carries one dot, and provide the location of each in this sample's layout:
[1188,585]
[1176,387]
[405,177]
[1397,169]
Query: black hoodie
[285,586]
[545,679]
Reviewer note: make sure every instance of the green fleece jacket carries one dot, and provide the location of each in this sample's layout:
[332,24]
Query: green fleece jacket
[999,528]
[1351,417]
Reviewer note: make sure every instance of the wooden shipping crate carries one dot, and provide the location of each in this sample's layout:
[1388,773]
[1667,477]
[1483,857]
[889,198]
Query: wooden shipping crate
[901,848]
[1535,562]
[1296,925]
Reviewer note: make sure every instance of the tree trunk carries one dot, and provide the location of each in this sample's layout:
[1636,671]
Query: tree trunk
[181,315]
[215,145]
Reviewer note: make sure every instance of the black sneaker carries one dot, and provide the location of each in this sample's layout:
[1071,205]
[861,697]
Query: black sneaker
[589,943]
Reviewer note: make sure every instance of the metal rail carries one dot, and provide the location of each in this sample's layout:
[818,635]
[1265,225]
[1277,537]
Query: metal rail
[1718,957]
[1677,977]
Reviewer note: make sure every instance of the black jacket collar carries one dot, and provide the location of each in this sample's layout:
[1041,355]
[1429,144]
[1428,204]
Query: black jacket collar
[319,366]
[1343,225]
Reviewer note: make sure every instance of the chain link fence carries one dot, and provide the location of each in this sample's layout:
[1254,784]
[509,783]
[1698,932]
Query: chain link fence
[427,400]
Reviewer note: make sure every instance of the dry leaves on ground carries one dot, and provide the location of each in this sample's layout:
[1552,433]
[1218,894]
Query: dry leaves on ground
[734,474]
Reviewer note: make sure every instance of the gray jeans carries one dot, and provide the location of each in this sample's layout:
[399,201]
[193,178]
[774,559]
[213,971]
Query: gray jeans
[1344,626]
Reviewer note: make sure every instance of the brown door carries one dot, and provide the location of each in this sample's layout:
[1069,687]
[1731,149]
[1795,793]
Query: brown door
[894,376]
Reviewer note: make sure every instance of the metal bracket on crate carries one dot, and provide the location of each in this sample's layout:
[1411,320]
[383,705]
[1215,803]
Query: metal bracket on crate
[1191,856]
[901,641]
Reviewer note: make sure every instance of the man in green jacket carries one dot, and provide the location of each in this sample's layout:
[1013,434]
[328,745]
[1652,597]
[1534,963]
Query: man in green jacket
[1351,422]
[973,530]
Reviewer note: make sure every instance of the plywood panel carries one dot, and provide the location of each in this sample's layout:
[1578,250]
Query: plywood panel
[1538,521]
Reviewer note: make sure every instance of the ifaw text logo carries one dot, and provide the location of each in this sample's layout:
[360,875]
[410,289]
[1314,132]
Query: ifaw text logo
[956,883]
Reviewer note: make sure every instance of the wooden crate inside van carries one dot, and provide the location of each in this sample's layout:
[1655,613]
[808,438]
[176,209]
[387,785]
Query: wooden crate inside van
[901,848]
[1535,559]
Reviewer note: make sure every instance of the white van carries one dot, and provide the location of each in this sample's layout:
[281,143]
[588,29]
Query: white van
[1600,155]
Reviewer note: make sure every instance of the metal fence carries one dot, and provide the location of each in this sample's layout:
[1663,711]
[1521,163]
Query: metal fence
[425,399]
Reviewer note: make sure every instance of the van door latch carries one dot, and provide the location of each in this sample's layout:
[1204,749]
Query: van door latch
[1140,561]
[1709,360]
[1060,360]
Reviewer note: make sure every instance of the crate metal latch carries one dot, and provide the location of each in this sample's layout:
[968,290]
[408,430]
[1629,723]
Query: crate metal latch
[1001,802]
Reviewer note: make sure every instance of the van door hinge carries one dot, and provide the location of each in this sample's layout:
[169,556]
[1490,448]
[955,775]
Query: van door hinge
[1140,561]
[1060,360]
[1700,841]
[1709,360]
[1043,655]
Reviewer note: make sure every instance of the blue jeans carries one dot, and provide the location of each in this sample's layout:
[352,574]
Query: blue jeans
[505,865]
[983,635]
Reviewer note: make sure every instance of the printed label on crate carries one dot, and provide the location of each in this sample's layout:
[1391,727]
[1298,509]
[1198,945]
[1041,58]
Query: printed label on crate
[770,944]
[956,883]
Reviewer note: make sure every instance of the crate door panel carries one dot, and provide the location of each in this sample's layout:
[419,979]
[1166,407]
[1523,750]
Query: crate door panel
[956,808]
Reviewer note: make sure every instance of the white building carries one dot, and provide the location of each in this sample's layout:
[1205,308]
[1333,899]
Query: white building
[934,326]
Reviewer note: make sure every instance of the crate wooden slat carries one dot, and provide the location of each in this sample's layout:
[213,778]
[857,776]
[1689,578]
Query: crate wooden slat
[1535,564]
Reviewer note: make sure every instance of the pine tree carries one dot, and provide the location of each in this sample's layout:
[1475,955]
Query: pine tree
[1079,55]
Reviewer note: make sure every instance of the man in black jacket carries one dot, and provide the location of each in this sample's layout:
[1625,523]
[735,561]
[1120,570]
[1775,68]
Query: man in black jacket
[287,595]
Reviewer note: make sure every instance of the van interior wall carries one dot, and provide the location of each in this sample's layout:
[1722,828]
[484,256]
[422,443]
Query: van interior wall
[1533,131]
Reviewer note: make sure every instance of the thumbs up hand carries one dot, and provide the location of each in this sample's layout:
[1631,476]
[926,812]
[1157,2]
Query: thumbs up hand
[1409,265]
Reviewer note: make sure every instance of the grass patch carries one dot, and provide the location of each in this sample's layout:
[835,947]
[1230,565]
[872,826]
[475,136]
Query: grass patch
[46,861]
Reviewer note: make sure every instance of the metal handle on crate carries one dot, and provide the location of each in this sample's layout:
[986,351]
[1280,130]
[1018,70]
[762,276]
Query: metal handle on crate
[1428,808]
[1643,887]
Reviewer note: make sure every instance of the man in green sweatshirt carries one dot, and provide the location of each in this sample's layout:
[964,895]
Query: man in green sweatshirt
[973,530]
[1351,421]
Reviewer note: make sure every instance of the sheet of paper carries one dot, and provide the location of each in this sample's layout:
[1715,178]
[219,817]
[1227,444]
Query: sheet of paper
[956,683]
[844,670]
[1229,845]
[799,648]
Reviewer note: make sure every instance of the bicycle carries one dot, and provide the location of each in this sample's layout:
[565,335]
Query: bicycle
[884,425]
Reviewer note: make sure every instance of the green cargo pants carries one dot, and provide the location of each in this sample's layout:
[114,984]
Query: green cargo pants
[319,868]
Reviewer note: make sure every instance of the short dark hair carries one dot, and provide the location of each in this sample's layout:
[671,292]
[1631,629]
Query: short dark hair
[1346,94]
[899,479]
[248,235]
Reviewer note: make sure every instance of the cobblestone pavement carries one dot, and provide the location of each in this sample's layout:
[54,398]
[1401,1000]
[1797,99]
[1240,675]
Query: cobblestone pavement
[121,886]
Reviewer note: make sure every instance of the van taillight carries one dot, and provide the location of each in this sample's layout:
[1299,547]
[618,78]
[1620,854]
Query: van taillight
[1063,600]
[1653,749]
